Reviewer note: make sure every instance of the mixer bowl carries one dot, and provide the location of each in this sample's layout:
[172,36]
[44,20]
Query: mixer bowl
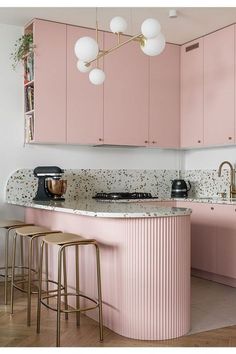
[57,187]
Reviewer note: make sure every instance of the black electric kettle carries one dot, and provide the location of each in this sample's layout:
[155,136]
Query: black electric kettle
[179,188]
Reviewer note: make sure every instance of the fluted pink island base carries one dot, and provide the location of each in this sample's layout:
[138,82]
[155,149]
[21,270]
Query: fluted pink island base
[145,264]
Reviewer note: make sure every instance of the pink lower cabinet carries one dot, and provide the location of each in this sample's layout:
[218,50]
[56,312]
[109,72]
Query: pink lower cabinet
[225,220]
[213,238]
[84,100]
[164,121]
[203,236]
[125,94]
[145,269]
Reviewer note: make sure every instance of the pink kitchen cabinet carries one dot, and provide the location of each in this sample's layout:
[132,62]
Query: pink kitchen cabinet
[192,94]
[126,90]
[225,219]
[219,79]
[203,236]
[164,123]
[49,111]
[84,100]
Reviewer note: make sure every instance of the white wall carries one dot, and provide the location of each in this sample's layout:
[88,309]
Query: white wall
[204,159]
[13,153]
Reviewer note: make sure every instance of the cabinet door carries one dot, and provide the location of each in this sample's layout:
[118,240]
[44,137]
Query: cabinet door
[125,94]
[203,236]
[192,94]
[164,124]
[84,100]
[225,218]
[219,87]
[50,82]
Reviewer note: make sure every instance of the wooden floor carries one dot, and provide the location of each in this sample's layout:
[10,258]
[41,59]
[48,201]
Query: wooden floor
[15,333]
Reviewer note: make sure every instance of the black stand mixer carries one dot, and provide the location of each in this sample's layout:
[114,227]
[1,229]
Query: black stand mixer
[51,186]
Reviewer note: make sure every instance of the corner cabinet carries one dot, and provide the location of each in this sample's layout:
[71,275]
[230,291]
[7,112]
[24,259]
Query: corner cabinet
[192,94]
[45,101]
[125,94]
[219,63]
[84,100]
[164,104]
[208,90]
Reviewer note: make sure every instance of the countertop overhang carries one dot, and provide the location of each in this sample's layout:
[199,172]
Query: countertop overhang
[91,207]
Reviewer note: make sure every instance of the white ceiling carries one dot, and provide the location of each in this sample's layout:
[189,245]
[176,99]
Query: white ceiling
[192,22]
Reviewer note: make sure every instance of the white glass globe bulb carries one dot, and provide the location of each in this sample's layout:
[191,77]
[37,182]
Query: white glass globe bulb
[81,66]
[86,49]
[154,46]
[97,76]
[150,28]
[118,25]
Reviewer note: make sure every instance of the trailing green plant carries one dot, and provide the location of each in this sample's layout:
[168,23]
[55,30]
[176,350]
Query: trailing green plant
[22,47]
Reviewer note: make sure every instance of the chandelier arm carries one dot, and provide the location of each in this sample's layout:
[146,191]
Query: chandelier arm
[105,52]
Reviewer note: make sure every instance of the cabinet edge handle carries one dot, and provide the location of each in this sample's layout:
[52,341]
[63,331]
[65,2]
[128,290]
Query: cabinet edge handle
[191,47]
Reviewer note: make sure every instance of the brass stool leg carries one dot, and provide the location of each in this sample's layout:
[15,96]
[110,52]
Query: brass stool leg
[46,269]
[6,266]
[65,283]
[99,292]
[40,287]
[77,284]
[22,260]
[29,281]
[59,295]
[13,271]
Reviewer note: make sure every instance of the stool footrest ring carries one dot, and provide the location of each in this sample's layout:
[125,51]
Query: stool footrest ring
[72,310]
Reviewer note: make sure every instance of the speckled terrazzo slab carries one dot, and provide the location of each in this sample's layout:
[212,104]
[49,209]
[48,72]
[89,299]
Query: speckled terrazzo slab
[207,182]
[91,207]
[82,184]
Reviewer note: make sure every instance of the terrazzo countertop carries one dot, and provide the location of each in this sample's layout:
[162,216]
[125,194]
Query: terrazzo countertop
[91,207]
[211,200]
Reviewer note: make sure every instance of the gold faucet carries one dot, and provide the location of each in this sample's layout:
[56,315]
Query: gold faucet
[232,177]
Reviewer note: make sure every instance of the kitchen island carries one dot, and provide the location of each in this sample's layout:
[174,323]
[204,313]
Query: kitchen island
[145,261]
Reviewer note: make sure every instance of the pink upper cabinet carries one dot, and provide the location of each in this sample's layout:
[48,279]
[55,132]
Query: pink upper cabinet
[84,100]
[50,82]
[219,87]
[125,94]
[192,94]
[164,124]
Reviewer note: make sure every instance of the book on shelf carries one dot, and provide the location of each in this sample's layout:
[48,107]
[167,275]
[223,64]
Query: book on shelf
[29,98]
[29,68]
[29,128]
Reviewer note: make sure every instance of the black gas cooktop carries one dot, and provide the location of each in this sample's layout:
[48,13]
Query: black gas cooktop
[123,195]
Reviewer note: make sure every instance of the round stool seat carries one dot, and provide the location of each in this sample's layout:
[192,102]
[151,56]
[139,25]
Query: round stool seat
[63,238]
[32,230]
[10,223]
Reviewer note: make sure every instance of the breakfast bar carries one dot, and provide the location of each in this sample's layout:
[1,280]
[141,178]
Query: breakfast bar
[145,261]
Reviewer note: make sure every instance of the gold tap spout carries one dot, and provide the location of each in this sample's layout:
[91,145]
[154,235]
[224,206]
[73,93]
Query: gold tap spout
[232,176]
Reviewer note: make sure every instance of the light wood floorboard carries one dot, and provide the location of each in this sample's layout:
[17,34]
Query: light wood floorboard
[15,333]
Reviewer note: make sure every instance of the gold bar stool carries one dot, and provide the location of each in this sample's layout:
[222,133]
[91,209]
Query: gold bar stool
[9,225]
[30,233]
[66,240]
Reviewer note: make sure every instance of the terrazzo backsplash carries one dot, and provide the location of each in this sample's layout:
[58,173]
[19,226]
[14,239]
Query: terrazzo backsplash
[86,183]
[82,184]
[207,183]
